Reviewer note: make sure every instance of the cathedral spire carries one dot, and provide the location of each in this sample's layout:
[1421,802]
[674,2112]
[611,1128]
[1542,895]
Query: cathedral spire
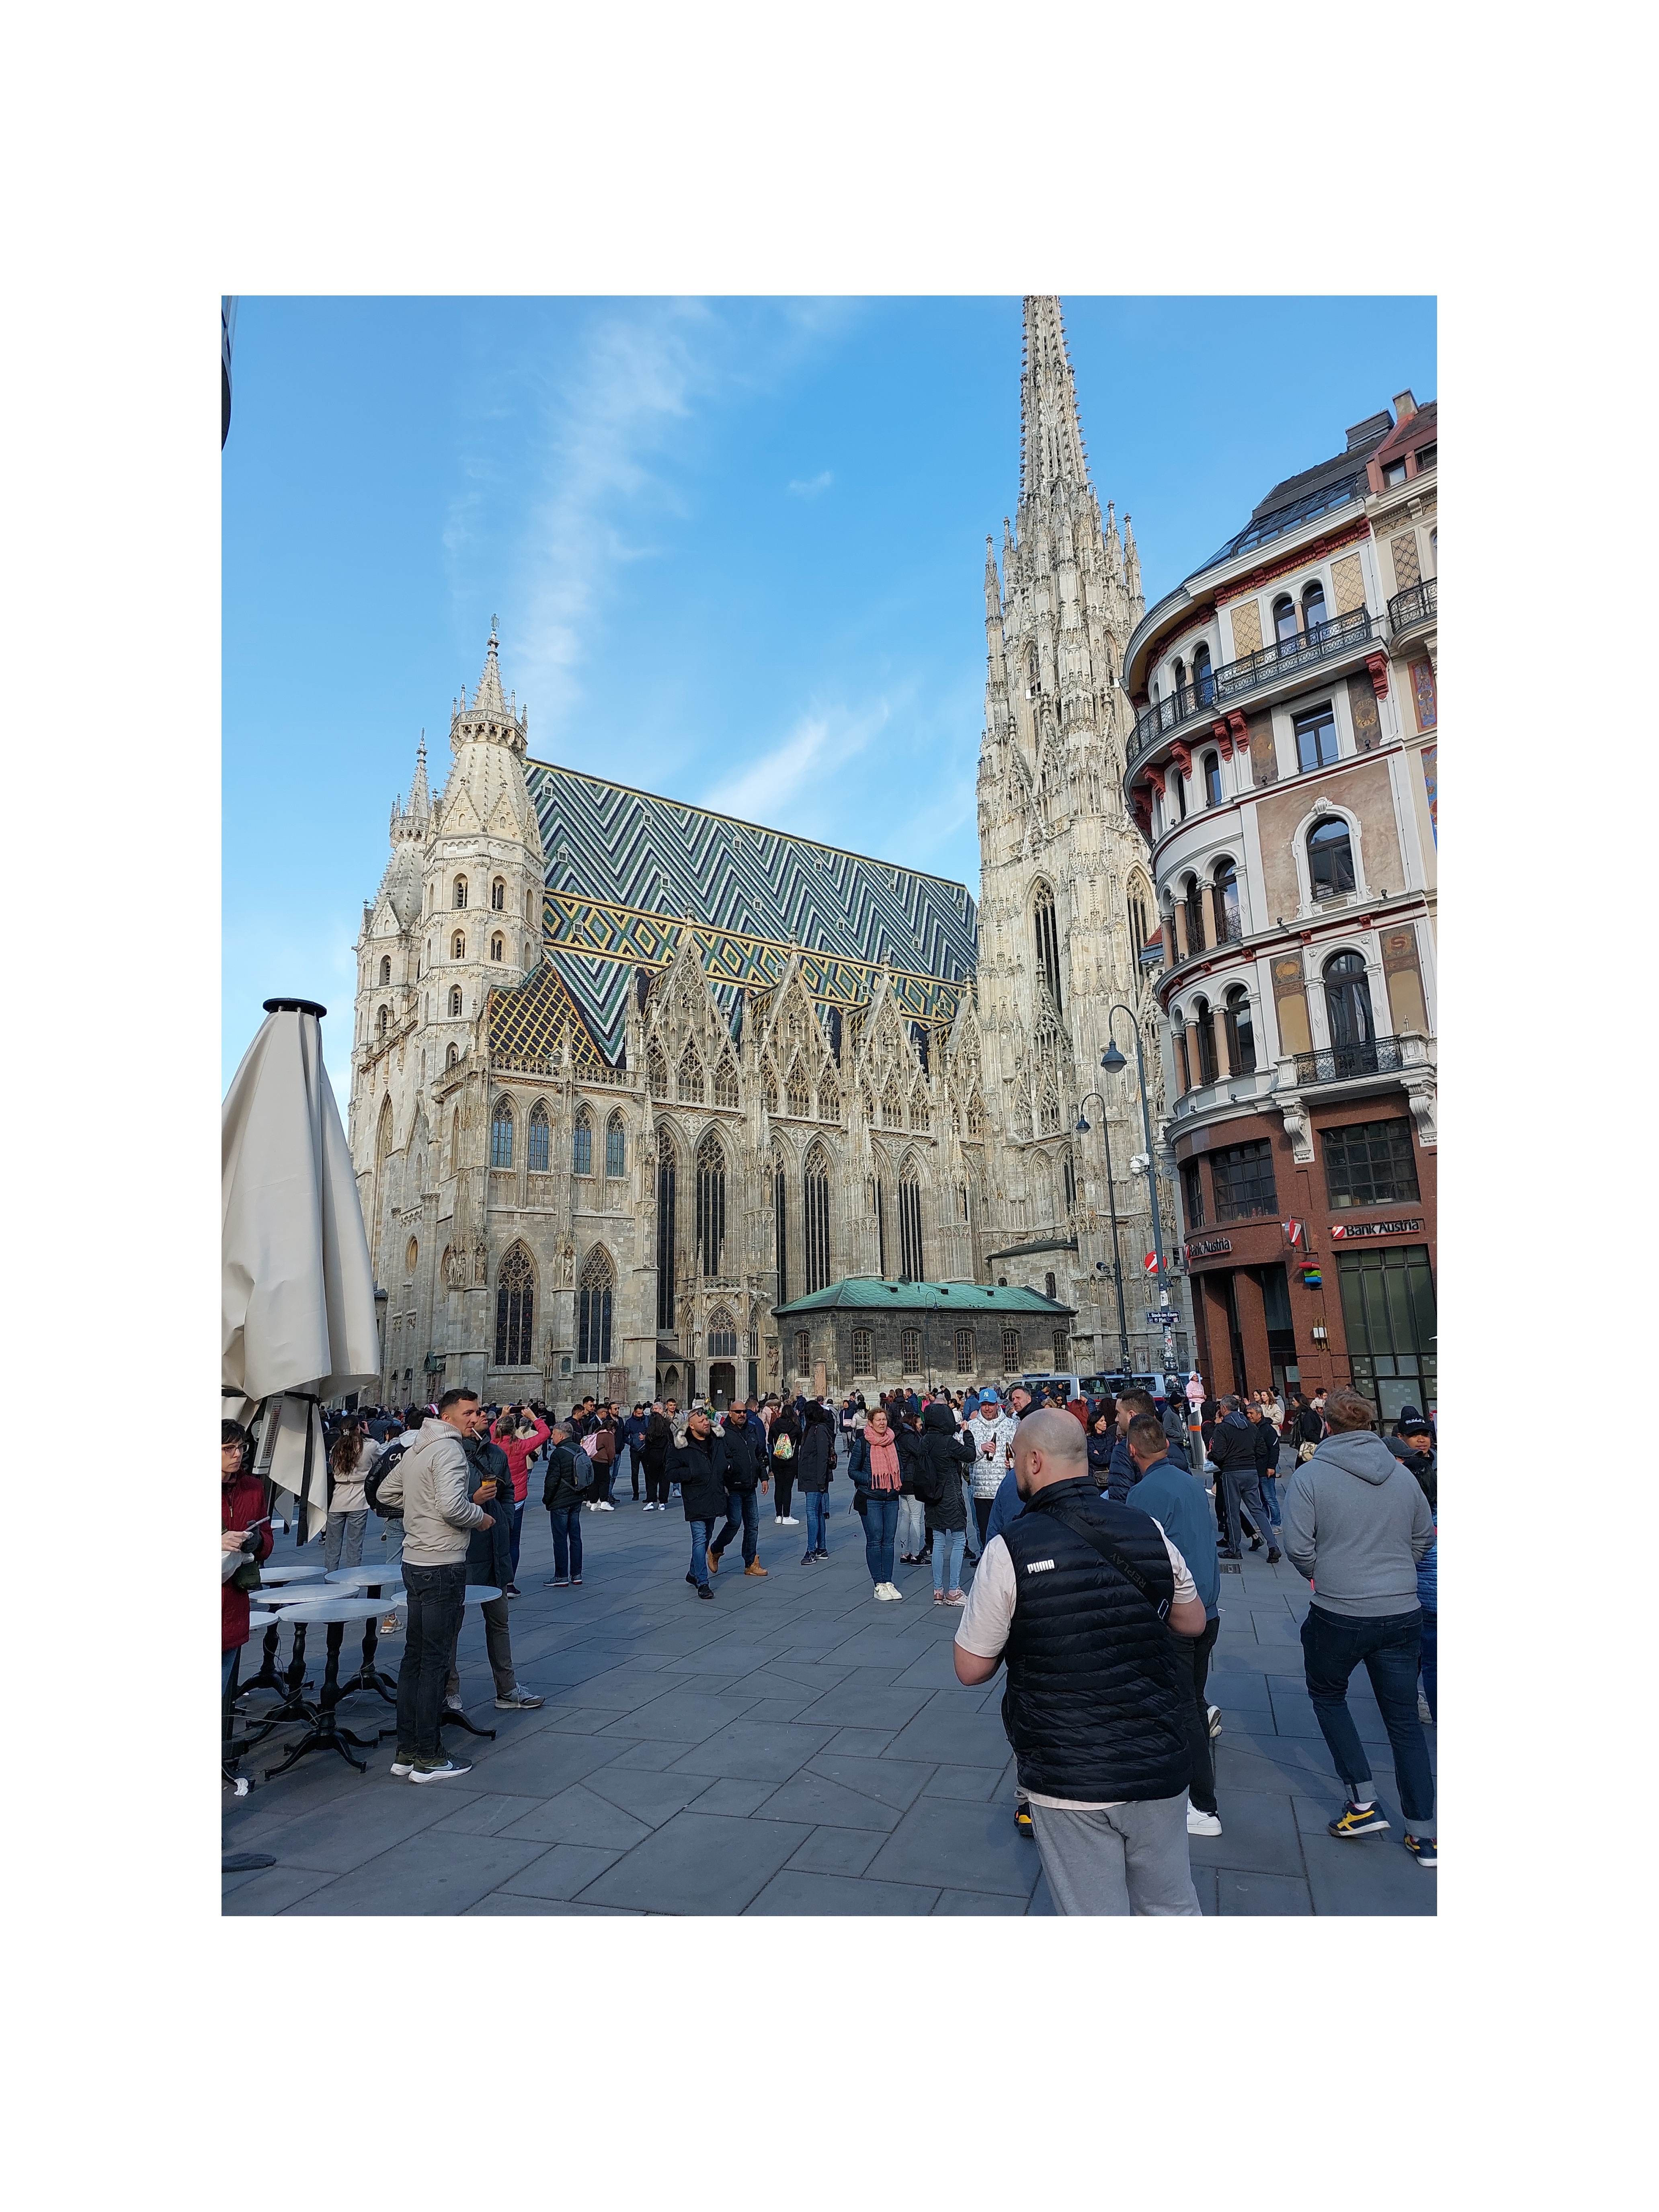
[1051,437]
[420,798]
[488,699]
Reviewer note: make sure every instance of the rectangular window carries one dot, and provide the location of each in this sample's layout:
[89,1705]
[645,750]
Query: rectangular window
[1315,739]
[1244,1180]
[615,1150]
[1425,457]
[803,1351]
[964,1352]
[1394,473]
[1009,1350]
[1370,1163]
[910,1351]
[1192,1194]
[861,1360]
[1389,1315]
[1062,1350]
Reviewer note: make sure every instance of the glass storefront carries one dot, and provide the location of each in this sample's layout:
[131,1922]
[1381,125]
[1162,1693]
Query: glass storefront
[1388,1314]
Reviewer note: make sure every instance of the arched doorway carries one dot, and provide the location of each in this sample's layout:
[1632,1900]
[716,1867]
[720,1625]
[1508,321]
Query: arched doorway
[722,1383]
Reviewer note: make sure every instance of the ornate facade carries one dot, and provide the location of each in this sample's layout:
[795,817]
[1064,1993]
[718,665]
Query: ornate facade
[630,1075]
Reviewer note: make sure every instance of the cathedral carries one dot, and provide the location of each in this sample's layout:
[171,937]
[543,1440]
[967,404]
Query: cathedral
[630,1078]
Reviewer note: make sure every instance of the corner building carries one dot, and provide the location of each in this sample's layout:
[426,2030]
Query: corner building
[1282,768]
[629,1076]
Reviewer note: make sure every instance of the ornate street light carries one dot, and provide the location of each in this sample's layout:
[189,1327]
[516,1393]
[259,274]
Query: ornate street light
[1081,1128]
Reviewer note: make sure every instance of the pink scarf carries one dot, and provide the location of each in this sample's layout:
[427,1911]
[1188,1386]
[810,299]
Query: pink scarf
[883,1459]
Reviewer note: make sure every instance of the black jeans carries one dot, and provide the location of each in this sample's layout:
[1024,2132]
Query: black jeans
[656,1482]
[783,1486]
[982,1516]
[742,1512]
[1192,1658]
[437,1599]
[1388,1646]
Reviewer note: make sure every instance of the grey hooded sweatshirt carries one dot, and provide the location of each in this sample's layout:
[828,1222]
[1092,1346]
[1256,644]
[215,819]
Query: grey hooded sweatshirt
[1357,1523]
[432,1482]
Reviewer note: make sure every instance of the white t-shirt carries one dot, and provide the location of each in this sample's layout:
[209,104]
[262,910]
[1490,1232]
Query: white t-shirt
[988,1616]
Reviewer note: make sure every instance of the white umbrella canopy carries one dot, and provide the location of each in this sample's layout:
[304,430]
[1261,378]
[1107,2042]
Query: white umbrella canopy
[297,1284]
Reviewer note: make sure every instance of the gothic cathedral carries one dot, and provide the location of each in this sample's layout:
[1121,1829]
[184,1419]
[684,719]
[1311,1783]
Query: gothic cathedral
[628,1075]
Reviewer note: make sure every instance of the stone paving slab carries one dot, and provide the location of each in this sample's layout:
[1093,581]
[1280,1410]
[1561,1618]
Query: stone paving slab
[791,1748]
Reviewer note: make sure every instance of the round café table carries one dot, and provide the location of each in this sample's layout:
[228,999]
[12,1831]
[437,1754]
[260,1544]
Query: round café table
[477,1593]
[326,1734]
[385,1584]
[272,1577]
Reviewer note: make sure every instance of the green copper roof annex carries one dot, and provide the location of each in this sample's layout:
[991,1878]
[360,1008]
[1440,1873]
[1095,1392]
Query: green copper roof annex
[870,1292]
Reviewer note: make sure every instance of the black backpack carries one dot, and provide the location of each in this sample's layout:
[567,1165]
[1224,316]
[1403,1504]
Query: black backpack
[376,1475]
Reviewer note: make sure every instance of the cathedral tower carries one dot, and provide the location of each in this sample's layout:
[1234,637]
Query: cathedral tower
[1062,865]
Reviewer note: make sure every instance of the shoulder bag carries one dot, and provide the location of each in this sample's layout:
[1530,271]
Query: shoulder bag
[1098,1540]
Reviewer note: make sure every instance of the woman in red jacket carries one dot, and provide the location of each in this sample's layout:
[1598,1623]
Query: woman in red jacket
[520,1435]
[242,1506]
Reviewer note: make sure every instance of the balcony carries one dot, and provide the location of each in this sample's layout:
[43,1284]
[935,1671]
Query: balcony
[1231,933]
[1415,605]
[1235,679]
[1343,1063]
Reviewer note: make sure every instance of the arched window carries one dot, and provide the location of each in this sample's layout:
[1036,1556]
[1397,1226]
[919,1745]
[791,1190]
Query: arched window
[455,1140]
[911,1269]
[616,1147]
[540,1139]
[689,1088]
[1313,607]
[1330,858]
[497,947]
[1284,628]
[656,1070]
[458,946]
[582,1143]
[1241,1031]
[769,1090]
[1193,900]
[500,1135]
[1031,682]
[1348,999]
[921,1111]
[722,1335]
[529,904]
[1047,1110]
[386,968]
[411,1255]
[455,1002]
[1182,1059]
[667,1180]
[1181,796]
[1049,1286]
[498,894]
[594,1296]
[1203,681]
[780,1183]
[711,1203]
[515,1309]
[1179,671]
[976,1115]
[725,1082]
[1212,779]
[1223,901]
[1069,1169]
[459,891]
[799,1094]
[893,1106]
[381,1019]
[455,1052]
[815,1191]
[1047,939]
[1204,1030]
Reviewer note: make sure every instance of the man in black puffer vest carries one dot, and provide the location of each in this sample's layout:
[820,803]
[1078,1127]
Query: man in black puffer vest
[1079,1596]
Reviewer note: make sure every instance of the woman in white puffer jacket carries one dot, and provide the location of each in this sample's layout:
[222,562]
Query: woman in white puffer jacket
[991,1431]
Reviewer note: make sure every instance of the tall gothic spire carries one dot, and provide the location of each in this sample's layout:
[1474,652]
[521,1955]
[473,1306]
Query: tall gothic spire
[490,699]
[1051,437]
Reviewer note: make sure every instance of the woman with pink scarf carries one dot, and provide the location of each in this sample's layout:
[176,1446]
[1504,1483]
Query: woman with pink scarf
[875,1468]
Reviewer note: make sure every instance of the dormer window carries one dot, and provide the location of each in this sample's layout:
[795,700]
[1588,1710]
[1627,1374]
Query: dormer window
[1395,474]
[1425,457]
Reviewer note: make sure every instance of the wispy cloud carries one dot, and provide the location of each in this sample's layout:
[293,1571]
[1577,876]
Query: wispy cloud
[790,780]
[810,487]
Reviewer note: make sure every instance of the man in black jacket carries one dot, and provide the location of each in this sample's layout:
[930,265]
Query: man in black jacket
[489,1562]
[698,1466]
[1079,1595]
[745,1463]
[1233,1449]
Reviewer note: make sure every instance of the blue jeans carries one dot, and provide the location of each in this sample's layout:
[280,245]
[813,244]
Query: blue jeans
[1270,1493]
[948,1544]
[702,1535]
[518,1533]
[742,1510]
[437,1599]
[815,1502]
[1389,1647]
[880,1528]
[231,1657]
[1426,1659]
[567,1543]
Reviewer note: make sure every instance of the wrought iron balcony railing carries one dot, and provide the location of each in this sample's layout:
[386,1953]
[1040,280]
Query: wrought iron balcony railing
[1416,603]
[1341,1063]
[1231,933]
[1234,679]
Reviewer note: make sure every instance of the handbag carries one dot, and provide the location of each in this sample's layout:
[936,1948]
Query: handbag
[246,1577]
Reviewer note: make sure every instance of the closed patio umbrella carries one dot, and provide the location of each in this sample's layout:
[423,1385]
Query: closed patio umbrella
[297,1284]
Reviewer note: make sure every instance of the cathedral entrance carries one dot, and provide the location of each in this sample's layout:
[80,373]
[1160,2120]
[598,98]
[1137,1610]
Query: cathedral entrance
[722,1383]
[668,1381]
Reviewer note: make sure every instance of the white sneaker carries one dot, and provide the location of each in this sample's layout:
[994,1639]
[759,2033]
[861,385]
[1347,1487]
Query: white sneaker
[1202,1824]
[893,1591]
[788,1520]
[605,1506]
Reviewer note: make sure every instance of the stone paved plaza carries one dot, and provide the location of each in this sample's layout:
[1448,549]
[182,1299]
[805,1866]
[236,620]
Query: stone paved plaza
[792,1748]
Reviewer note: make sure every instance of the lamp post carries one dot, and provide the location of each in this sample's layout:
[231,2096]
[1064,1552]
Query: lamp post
[1081,1127]
[1114,1063]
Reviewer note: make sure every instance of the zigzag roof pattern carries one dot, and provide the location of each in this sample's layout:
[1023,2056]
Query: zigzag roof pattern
[627,872]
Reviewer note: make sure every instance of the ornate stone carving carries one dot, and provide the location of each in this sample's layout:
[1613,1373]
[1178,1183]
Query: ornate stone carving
[1420,1097]
[1299,1130]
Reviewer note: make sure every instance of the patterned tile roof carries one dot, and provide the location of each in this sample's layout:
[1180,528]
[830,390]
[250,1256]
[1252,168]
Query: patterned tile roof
[628,873]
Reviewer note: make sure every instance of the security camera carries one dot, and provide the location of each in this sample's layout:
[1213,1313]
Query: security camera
[1138,1162]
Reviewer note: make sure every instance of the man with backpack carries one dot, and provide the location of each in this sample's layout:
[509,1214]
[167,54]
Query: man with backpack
[563,1488]
[392,1515]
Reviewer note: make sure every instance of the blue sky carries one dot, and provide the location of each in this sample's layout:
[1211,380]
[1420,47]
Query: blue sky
[736,547]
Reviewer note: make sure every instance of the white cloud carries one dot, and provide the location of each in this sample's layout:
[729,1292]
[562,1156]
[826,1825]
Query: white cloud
[781,786]
[810,487]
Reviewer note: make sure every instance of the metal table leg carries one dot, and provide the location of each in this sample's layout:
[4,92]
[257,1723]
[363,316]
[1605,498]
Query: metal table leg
[326,1734]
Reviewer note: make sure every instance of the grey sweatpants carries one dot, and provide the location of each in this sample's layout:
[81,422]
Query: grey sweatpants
[498,1642]
[1129,1859]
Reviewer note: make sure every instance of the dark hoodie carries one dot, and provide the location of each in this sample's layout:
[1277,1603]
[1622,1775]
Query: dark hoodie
[1356,1523]
[934,1464]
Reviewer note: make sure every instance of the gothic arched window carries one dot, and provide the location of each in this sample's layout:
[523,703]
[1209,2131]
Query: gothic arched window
[911,1269]
[500,1135]
[455,1002]
[582,1143]
[770,1092]
[921,1111]
[1048,1111]
[386,968]
[459,893]
[497,947]
[711,1203]
[725,1082]
[892,1107]
[656,1070]
[539,1147]
[1068,1168]
[498,894]
[1047,939]
[515,1309]
[815,1193]
[666,1180]
[458,946]
[381,1019]
[453,1053]
[722,1335]
[690,1087]
[594,1297]
[800,1094]
[615,1146]
[976,1115]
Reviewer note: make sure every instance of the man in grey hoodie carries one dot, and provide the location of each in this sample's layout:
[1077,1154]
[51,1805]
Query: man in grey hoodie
[1356,1523]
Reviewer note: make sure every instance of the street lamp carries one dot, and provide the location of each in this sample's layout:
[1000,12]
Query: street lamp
[1113,1061]
[1082,1130]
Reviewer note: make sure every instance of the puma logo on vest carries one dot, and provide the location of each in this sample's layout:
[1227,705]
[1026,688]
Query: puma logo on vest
[1038,1566]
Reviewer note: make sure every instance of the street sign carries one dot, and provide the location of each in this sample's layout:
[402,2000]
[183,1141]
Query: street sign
[1165,1317]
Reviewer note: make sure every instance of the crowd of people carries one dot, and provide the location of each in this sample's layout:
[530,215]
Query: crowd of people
[1133,1502]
